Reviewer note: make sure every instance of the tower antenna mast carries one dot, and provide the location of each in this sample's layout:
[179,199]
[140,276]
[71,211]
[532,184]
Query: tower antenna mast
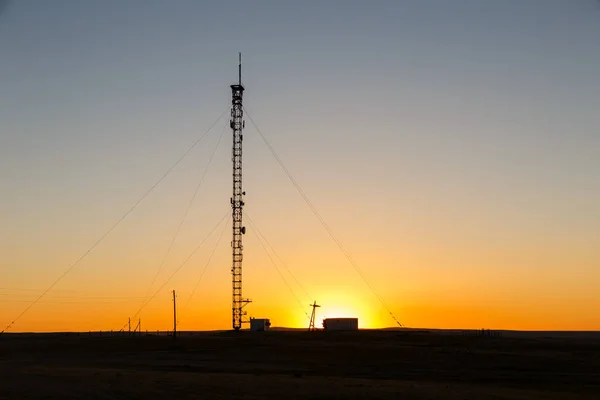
[237,201]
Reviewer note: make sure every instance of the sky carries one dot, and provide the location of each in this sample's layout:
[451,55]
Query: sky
[452,147]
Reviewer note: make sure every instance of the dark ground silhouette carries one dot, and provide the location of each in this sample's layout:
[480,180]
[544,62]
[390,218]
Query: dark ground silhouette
[299,365]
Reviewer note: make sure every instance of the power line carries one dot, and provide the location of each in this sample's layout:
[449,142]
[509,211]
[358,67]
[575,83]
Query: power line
[279,272]
[181,265]
[86,301]
[319,217]
[78,297]
[33,290]
[114,226]
[176,235]
[277,256]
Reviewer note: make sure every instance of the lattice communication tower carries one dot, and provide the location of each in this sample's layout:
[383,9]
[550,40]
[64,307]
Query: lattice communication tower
[237,201]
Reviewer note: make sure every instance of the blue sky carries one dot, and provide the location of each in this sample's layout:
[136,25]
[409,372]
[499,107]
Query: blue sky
[474,122]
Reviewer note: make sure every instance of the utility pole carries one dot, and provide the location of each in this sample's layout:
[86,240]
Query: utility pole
[174,315]
[138,328]
[129,325]
[311,326]
[237,200]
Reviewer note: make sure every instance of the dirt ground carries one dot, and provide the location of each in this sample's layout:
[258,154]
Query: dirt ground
[298,365]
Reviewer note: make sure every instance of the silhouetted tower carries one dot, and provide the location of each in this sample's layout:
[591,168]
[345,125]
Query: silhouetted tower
[237,200]
[311,326]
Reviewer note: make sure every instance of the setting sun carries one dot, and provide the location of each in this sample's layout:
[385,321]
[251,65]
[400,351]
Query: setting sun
[347,304]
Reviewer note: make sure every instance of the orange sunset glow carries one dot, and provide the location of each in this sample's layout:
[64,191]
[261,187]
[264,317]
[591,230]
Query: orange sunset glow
[447,179]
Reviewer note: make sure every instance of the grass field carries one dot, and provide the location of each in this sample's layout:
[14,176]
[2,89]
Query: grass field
[298,365]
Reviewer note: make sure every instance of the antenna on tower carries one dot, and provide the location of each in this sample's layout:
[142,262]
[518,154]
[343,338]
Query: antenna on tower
[240,69]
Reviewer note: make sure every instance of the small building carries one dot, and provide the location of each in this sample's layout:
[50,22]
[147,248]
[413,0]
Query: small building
[259,324]
[340,324]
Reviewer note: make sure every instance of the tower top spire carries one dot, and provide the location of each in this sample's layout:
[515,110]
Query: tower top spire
[240,69]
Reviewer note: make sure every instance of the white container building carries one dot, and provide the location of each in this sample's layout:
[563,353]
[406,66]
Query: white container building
[340,324]
[259,324]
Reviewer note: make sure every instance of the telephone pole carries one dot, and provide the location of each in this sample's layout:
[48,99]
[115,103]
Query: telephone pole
[138,328]
[129,326]
[174,315]
[311,325]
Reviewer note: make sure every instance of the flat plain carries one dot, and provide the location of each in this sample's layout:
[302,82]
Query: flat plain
[298,365]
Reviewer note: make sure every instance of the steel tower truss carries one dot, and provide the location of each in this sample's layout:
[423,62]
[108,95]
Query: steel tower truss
[237,201]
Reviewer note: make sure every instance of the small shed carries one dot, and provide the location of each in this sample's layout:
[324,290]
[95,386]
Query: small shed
[259,324]
[340,324]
